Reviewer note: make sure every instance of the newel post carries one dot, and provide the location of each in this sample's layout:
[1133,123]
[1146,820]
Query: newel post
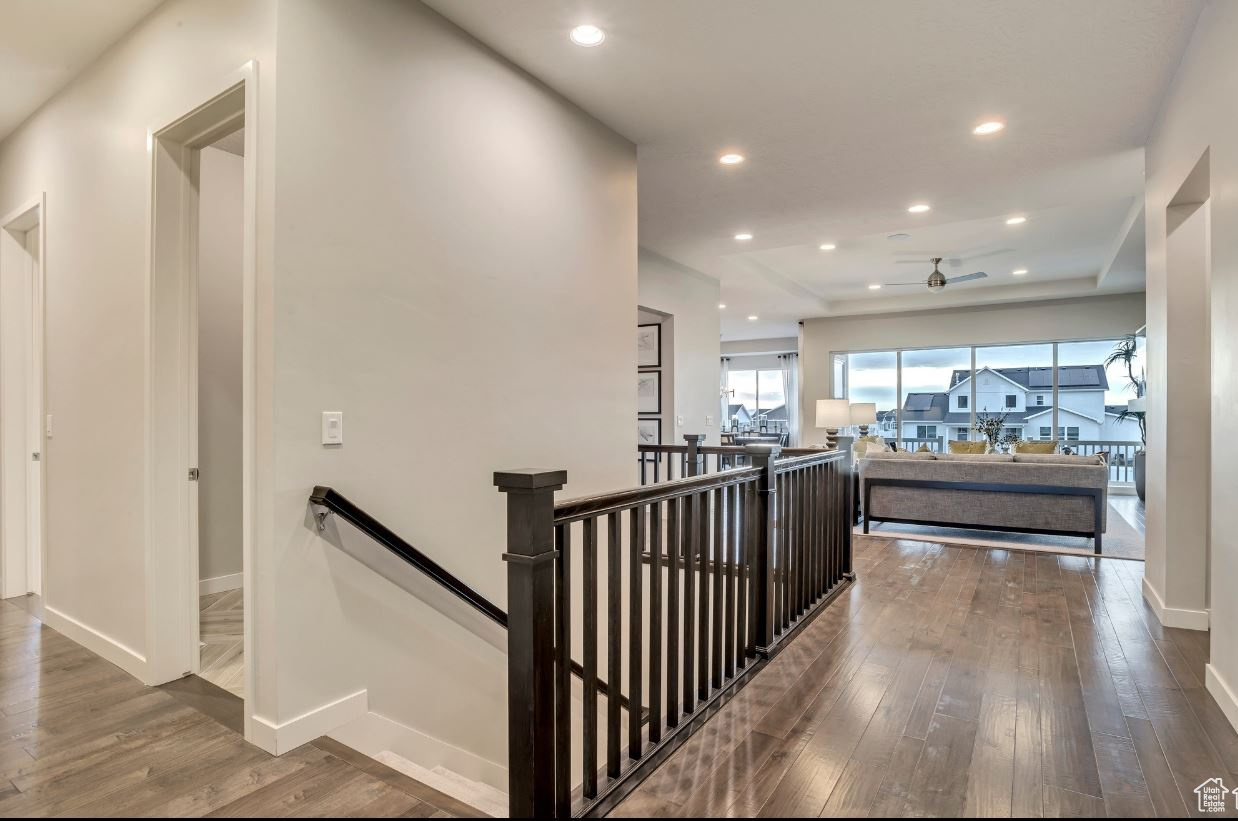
[530,639]
[762,553]
[696,459]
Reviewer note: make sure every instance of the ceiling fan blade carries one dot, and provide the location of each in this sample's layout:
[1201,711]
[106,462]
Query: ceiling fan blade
[921,283]
[966,277]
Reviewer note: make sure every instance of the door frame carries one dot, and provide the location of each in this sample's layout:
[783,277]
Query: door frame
[171,534]
[23,557]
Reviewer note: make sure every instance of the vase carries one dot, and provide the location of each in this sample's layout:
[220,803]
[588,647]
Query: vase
[1140,464]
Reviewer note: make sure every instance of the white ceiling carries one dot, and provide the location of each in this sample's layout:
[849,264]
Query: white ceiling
[45,43]
[849,112]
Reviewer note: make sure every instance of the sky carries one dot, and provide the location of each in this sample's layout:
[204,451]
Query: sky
[872,376]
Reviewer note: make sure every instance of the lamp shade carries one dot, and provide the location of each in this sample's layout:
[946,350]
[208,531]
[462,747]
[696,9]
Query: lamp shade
[1139,405]
[863,413]
[833,413]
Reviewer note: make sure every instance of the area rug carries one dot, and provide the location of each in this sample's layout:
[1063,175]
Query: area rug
[1121,540]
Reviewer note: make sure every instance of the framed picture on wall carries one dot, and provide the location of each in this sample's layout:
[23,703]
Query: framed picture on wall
[649,392]
[648,431]
[649,346]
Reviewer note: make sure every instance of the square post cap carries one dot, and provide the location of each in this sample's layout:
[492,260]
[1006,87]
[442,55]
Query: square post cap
[529,479]
[762,449]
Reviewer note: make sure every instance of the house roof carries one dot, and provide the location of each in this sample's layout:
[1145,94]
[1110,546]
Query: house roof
[732,410]
[778,414]
[1062,410]
[1069,377]
[935,407]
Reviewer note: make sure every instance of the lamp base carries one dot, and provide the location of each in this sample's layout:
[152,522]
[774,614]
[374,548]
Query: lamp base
[863,430]
[831,438]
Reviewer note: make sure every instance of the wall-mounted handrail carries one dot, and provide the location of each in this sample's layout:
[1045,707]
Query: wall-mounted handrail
[337,503]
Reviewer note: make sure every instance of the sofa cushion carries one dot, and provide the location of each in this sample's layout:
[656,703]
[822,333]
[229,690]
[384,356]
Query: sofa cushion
[1023,446]
[867,443]
[899,455]
[968,447]
[1057,459]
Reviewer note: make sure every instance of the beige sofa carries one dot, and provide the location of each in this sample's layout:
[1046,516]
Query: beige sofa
[1028,493]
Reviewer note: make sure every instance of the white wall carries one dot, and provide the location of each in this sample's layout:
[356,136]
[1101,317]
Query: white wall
[219,363]
[456,272]
[87,149]
[1198,115]
[690,299]
[1099,317]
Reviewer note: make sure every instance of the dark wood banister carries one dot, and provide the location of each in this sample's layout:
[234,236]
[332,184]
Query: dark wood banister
[337,503]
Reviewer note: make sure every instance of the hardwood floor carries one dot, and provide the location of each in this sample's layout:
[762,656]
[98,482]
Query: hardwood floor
[221,618]
[960,681]
[80,737]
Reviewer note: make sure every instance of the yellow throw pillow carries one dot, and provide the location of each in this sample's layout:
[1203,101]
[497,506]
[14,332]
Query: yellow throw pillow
[1035,447]
[968,447]
[924,449]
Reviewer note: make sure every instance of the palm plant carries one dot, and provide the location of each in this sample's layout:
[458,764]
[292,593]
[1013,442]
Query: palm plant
[1126,351]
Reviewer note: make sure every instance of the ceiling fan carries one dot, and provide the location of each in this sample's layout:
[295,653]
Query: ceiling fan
[937,280]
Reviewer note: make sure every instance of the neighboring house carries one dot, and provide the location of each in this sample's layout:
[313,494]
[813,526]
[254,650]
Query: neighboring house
[1025,395]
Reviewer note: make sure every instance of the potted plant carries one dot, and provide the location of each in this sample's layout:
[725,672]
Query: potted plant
[1126,352]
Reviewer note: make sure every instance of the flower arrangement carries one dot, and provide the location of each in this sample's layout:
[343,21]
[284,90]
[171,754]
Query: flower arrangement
[990,426]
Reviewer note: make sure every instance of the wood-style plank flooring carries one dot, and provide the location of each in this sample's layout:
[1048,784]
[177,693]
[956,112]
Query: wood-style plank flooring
[960,681]
[221,619]
[81,737]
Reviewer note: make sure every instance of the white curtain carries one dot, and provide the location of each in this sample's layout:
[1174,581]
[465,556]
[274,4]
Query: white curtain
[791,390]
[724,396]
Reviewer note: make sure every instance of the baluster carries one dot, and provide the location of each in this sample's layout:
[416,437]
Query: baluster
[730,546]
[644,460]
[719,547]
[702,615]
[801,541]
[614,646]
[589,683]
[636,627]
[655,623]
[692,546]
[743,539]
[673,543]
[563,672]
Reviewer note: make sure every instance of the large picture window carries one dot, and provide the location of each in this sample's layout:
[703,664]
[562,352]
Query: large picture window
[758,401]
[927,396]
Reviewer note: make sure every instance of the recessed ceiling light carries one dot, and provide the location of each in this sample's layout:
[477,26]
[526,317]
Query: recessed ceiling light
[731,159]
[827,246]
[1018,272]
[587,36]
[918,208]
[1016,220]
[743,237]
[721,305]
[992,127]
[753,318]
[874,287]
[898,236]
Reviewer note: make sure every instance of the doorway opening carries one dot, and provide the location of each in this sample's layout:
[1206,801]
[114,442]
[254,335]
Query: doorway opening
[22,463]
[200,374]
[219,410]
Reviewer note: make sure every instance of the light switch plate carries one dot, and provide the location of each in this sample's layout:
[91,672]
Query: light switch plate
[333,427]
[709,421]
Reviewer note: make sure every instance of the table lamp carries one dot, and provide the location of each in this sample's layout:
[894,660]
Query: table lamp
[864,414]
[833,414]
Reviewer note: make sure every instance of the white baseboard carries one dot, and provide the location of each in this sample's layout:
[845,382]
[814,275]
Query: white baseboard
[278,739]
[218,584]
[123,656]
[373,733]
[1223,694]
[1173,616]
